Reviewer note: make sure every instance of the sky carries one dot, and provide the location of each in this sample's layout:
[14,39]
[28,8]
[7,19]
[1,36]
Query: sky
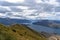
[30,9]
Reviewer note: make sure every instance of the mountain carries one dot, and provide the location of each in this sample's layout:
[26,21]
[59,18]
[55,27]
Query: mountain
[19,32]
[48,23]
[8,21]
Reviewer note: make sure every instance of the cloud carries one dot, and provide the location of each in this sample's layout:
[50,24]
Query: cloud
[6,3]
[18,8]
[52,2]
[14,1]
[26,14]
[4,9]
[29,12]
[45,15]
[2,15]
[22,7]
[15,9]
[30,9]
[20,15]
[39,1]
[58,1]
[57,9]
[11,15]
[51,16]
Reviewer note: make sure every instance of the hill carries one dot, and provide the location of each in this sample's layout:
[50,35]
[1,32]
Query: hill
[48,23]
[19,32]
[8,21]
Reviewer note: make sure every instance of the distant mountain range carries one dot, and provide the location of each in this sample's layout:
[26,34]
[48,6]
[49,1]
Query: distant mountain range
[48,23]
[8,21]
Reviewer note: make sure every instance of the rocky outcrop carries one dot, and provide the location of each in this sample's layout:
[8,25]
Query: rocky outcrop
[54,37]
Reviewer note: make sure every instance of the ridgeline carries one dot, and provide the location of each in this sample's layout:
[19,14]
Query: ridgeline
[19,32]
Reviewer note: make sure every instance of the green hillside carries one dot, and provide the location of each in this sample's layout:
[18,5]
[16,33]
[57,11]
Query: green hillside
[19,32]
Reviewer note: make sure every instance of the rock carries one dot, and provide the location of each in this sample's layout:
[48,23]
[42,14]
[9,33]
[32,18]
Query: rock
[54,37]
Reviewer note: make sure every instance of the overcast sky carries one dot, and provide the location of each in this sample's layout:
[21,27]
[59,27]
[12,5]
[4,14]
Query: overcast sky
[30,9]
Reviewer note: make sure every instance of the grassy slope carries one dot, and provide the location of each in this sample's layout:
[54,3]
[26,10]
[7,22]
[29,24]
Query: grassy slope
[19,32]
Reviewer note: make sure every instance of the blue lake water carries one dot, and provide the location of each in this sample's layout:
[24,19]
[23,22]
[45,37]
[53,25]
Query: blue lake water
[45,29]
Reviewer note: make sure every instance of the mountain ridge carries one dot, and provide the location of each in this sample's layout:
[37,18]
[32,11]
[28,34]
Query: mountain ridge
[48,23]
[18,32]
